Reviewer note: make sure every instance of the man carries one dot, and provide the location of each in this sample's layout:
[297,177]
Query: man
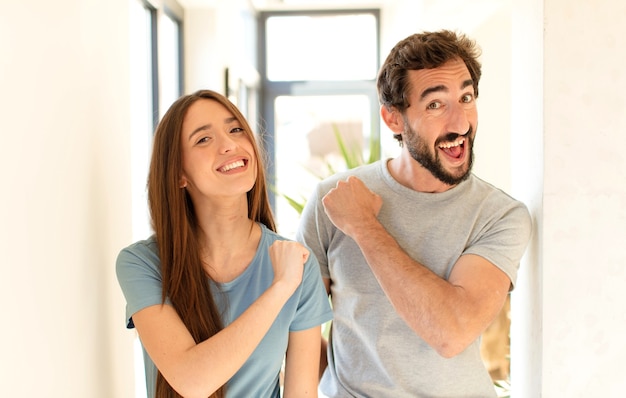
[417,253]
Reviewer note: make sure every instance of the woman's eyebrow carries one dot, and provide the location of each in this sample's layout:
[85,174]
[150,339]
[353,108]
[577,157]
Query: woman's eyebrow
[199,129]
[208,126]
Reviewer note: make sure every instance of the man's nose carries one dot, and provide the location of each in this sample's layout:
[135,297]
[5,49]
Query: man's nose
[458,121]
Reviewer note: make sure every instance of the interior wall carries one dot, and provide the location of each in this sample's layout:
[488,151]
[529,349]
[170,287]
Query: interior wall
[584,199]
[527,126]
[569,110]
[219,37]
[204,70]
[65,207]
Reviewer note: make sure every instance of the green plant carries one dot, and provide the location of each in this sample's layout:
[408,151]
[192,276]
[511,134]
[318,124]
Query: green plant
[503,388]
[352,156]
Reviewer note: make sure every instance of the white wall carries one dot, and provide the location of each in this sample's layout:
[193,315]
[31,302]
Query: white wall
[65,206]
[574,293]
[527,105]
[218,36]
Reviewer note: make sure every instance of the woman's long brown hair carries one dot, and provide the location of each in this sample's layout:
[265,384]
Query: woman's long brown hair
[176,228]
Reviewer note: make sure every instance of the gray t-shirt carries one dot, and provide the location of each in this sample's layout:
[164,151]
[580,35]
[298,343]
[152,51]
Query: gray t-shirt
[372,351]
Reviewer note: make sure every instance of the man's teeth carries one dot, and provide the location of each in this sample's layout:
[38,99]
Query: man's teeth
[446,145]
[233,165]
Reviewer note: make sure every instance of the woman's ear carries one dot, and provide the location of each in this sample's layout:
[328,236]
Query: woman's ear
[392,118]
[182,182]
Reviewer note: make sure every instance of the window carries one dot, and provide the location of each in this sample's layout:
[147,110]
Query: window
[319,47]
[318,73]
[170,59]
[144,112]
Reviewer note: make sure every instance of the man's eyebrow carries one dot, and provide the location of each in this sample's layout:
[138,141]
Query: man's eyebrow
[433,89]
[467,83]
[442,88]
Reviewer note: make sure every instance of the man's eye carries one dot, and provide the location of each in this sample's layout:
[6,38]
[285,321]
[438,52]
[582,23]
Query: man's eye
[434,105]
[468,98]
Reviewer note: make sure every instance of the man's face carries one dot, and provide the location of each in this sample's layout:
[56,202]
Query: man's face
[440,123]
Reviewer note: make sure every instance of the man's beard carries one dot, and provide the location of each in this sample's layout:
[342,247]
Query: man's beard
[419,150]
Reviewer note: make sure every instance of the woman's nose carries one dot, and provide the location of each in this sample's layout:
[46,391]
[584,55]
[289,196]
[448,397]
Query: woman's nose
[226,143]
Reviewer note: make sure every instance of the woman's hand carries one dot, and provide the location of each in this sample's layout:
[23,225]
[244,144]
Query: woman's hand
[288,260]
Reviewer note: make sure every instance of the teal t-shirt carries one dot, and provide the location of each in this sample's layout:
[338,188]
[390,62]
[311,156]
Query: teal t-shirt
[139,275]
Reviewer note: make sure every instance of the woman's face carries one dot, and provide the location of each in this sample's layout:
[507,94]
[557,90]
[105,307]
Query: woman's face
[218,155]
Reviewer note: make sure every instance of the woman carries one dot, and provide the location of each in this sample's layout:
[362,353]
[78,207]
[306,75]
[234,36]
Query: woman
[217,297]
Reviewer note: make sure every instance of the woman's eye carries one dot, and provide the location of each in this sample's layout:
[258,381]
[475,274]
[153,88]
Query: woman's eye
[203,140]
[236,130]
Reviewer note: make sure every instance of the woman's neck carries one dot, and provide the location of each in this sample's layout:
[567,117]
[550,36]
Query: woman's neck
[228,245]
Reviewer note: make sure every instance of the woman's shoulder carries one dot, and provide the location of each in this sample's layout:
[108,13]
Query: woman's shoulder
[143,252]
[143,246]
[268,236]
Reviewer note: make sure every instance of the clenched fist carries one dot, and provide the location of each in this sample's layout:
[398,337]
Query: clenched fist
[351,205]
[288,260]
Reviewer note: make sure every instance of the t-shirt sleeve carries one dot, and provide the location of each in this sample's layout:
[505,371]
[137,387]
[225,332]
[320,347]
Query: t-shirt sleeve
[504,242]
[313,306]
[137,269]
[312,231]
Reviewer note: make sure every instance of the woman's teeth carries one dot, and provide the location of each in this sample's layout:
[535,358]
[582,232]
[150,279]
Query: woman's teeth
[233,165]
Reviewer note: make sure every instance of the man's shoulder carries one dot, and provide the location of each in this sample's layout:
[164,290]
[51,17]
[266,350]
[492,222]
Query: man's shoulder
[489,190]
[495,202]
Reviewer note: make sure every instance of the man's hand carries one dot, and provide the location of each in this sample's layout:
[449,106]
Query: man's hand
[351,206]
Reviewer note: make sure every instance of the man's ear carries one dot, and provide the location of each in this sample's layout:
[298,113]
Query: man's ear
[392,118]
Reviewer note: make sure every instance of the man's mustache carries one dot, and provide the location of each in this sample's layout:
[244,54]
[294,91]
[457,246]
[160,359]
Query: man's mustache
[451,137]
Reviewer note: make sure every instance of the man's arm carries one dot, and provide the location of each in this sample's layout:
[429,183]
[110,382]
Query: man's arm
[447,314]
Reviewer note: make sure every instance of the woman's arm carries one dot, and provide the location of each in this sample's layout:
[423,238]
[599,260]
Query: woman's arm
[185,364]
[302,363]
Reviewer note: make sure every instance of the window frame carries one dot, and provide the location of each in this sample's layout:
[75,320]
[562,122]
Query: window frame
[271,89]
